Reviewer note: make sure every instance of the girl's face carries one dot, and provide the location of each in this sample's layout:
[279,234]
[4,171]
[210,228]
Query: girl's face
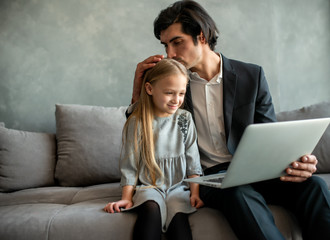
[167,94]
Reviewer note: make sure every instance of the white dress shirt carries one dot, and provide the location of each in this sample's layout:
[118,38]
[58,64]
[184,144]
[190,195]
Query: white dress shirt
[207,98]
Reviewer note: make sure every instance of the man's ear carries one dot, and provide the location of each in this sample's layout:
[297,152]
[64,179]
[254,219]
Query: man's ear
[148,87]
[202,38]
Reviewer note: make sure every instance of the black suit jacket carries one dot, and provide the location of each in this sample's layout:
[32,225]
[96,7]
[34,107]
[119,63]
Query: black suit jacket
[246,99]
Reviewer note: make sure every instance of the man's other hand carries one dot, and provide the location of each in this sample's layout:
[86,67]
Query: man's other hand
[301,170]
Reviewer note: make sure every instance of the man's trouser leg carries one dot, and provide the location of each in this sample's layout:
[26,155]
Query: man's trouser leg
[245,210]
[309,201]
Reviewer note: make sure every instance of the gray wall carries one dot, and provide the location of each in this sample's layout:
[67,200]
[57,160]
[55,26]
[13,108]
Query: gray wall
[85,52]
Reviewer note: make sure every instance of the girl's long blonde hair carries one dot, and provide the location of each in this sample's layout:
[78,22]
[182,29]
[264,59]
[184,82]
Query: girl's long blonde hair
[143,138]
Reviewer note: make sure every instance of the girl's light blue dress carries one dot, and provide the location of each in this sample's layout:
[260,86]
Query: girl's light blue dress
[177,155]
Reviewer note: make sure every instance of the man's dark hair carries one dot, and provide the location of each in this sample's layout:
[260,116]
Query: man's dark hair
[193,18]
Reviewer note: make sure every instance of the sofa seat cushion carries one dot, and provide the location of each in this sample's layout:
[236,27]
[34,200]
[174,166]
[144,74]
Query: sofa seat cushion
[27,159]
[76,221]
[90,220]
[27,221]
[204,223]
[61,195]
[111,191]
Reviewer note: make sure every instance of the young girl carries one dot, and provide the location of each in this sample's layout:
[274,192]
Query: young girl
[159,151]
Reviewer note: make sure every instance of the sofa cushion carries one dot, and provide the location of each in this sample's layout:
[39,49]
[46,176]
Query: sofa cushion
[61,195]
[27,159]
[89,144]
[319,110]
[28,221]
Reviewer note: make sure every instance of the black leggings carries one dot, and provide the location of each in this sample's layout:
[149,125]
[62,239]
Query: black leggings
[148,225]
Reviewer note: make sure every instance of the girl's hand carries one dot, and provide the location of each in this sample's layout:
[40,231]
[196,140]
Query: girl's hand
[196,202]
[113,207]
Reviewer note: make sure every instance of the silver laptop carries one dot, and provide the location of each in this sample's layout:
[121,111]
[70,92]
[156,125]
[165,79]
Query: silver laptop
[266,150]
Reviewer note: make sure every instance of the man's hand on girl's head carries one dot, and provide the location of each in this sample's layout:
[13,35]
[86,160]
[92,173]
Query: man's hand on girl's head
[139,73]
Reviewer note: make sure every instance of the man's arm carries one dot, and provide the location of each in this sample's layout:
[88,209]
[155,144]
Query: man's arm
[139,73]
[138,79]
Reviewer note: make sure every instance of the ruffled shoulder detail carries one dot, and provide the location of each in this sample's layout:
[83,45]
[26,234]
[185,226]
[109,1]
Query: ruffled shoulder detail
[183,122]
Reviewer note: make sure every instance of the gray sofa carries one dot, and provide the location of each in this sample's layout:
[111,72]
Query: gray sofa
[54,186]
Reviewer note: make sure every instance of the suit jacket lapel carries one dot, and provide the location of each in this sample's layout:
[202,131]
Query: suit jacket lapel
[229,92]
[188,104]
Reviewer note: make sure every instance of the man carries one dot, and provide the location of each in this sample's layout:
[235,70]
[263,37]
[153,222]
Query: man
[225,96]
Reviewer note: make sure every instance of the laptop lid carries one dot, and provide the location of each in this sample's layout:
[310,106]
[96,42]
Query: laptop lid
[266,150]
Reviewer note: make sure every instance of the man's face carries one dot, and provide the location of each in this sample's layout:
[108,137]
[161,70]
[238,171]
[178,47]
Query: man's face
[180,46]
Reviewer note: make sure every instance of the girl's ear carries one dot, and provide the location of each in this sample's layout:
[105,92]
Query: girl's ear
[148,87]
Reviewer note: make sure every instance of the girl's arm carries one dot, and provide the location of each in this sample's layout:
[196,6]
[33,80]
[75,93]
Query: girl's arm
[195,200]
[194,168]
[129,171]
[125,202]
